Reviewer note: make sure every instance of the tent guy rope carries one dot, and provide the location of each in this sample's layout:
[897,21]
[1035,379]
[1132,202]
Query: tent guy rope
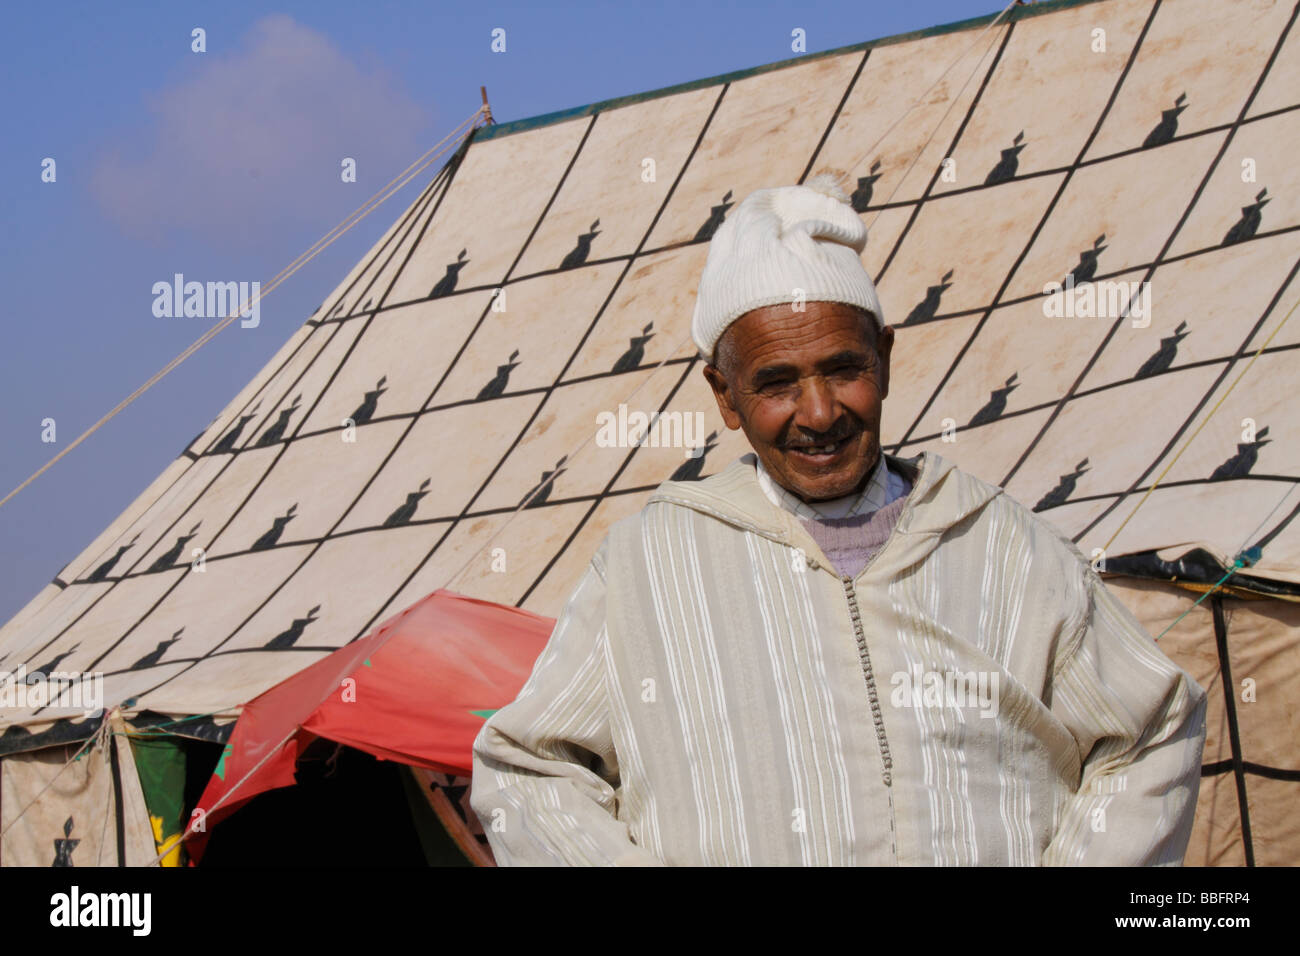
[430,156]
[1192,437]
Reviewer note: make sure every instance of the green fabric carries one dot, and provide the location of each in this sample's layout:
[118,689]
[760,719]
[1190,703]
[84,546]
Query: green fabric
[160,764]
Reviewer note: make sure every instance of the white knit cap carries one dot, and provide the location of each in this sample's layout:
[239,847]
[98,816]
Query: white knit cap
[780,245]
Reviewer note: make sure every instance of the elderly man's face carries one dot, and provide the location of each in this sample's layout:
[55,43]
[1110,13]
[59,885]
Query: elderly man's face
[806,388]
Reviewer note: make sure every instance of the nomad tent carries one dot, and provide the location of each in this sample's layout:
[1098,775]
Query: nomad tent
[1085,230]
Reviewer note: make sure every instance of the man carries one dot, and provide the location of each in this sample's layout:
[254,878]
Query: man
[824,654]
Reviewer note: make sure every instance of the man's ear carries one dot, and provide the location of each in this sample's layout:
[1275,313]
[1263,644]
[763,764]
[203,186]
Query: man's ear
[723,395]
[884,345]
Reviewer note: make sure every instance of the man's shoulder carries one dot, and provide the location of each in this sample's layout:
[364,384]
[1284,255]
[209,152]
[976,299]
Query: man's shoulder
[723,483]
[730,494]
[1044,534]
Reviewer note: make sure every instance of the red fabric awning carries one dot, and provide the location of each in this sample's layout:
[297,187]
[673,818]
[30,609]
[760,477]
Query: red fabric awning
[417,690]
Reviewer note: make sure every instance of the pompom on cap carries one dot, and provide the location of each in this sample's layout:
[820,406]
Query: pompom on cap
[829,183]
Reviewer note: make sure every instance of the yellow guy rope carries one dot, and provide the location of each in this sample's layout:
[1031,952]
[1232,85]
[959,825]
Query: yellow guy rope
[1205,420]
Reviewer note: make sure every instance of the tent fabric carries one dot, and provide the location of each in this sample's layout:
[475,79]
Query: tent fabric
[60,809]
[1262,640]
[416,691]
[467,362]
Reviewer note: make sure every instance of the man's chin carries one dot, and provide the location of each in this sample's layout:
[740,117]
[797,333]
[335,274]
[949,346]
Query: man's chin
[823,485]
[826,490]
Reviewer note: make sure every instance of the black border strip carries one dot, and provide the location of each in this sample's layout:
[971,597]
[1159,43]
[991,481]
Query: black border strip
[1234,732]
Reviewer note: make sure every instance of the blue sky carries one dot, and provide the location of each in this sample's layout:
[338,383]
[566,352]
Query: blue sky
[225,165]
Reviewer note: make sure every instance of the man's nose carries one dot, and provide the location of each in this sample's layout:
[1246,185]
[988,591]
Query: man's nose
[816,411]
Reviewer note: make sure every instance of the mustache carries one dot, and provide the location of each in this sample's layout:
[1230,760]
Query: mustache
[835,435]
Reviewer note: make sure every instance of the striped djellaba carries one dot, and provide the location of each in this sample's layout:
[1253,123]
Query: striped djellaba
[716,693]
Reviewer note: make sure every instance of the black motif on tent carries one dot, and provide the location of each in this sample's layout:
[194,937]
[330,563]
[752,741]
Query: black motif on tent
[168,557]
[289,637]
[455,792]
[227,442]
[861,197]
[447,284]
[366,307]
[927,308]
[102,572]
[997,403]
[716,217]
[631,359]
[338,309]
[406,511]
[272,535]
[496,385]
[63,847]
[1165,355]
[1087,267]
[276,431]
[1008,164]
[578,254]
[1064,488]
[155,655]
[543,487]
[366,410]
[1167,128]
[1239,465]
[1248,224]
[691,469]
[45,670]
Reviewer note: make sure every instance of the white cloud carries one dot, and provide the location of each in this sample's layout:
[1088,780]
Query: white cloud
[254,140]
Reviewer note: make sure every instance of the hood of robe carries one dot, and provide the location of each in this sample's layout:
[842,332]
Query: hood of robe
[942,496]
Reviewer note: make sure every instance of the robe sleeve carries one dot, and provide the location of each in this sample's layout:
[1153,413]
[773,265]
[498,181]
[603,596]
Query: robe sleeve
[1139,722]
[545,783]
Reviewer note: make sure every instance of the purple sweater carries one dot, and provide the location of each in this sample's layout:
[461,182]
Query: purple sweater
[851,543]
